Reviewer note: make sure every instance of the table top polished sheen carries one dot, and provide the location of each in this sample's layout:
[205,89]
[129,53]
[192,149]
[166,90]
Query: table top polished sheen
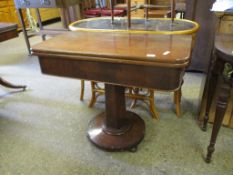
[142,49]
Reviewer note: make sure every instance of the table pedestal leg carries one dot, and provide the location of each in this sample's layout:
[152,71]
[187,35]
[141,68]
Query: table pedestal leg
[116,129]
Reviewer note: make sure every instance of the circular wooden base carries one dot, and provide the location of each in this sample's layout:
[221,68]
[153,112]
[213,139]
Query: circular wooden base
[126,139]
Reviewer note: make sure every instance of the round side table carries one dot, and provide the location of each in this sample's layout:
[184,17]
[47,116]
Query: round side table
[222,68]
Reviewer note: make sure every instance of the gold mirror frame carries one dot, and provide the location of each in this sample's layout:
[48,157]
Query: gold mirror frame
[193,30]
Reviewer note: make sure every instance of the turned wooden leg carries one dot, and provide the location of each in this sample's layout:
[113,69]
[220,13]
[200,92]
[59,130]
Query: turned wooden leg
[93,94]
[82,90]
[9,85]
[152,105]
[210,93]
[177,101]
[222,101]
[210,89]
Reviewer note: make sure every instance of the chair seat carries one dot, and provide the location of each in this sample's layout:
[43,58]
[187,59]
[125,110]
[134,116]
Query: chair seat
[92,13]
[96,12]
[118,12]
[124,6]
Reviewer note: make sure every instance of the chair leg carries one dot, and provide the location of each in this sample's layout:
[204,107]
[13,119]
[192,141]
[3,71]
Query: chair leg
[134,101]
[177,101]
[82,90]
[152,105]
[93,94]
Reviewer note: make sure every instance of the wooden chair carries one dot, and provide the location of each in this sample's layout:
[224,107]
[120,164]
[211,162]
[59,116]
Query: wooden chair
[133,93]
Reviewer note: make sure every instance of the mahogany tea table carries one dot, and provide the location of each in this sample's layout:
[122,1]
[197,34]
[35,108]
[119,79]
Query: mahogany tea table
[119,59]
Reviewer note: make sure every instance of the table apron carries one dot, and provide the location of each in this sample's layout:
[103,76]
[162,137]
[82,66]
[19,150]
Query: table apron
[154,77]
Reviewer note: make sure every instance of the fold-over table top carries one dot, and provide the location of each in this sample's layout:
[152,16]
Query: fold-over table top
[129,48]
